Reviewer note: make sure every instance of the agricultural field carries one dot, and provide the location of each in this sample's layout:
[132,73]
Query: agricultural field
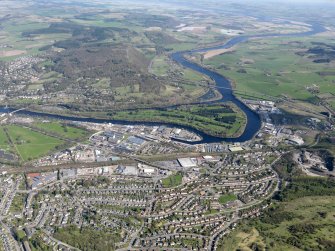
[67,42]
[4,142]
[159,66]
[217,119]
[38,139]
[49,42]
[63,130]
[280,67]
[30,144]
[13,43]
[35,140]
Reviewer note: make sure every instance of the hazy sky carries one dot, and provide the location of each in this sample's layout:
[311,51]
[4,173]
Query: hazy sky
[291,1]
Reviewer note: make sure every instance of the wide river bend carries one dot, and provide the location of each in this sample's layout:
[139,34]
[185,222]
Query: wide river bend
[223,86]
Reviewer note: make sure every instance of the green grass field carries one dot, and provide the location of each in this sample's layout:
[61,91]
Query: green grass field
[192,75]
[189,87]
[4,142]
[213,119]
[29,144]
[332,103]
[226,198]
[29,46]
[18,202]
[63,130]
[159,66]
[181,46]
[3,138]
[172,181]
[272,67]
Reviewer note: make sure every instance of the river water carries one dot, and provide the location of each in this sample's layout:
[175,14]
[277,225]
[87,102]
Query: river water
[224,87]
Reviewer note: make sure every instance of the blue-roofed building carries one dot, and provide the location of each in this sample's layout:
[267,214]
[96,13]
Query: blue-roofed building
[135,140]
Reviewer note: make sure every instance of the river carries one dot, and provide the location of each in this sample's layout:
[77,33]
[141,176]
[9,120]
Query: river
[224,87]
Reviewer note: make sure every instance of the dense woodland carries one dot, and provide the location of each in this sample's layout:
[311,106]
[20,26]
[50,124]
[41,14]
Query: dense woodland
[122,66]
[307,186]
[87,239]
[280,227]
[149,20]
[320,52]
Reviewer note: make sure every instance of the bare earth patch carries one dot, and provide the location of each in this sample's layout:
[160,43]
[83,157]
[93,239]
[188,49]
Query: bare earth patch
[247,239]
[193,29]
[39,19]
[12,53]
[230,32]
[31,46]
[153,29]
[213,53]
[280,28]
[116,15]
[329,33]
[247,61]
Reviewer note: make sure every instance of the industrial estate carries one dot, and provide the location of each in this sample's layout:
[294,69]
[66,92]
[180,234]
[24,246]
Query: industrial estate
[170,125]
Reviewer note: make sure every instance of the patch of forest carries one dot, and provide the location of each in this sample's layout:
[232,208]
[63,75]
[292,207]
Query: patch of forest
[150,20]
[123,66]
[320,52]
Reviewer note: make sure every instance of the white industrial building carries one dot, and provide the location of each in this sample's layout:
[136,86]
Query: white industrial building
[187,162]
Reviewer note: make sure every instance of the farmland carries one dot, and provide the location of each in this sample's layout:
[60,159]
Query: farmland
[4,143]
[111,140]
[33,141]
[80,58]
[278,67]
[29,144]
[63,130]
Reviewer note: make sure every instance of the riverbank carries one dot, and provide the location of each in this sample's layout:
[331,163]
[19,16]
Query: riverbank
[223,85]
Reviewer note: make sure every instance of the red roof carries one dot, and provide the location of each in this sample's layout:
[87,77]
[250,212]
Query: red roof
[33,175]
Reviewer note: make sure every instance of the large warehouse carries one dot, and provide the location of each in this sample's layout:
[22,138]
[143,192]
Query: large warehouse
[187,162]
